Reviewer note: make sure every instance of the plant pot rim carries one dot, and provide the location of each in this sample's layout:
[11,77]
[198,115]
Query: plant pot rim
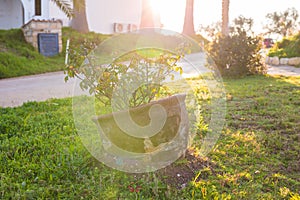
[179,97]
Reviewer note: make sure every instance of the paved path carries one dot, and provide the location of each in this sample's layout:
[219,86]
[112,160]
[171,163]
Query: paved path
[16,91]
[283,70]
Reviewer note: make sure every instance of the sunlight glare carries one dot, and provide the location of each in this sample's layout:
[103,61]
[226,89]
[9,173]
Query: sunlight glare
[156,6]
[171,13]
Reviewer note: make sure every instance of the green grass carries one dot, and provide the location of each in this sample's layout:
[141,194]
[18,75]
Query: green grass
[261,142]
[18,58]
[256,157]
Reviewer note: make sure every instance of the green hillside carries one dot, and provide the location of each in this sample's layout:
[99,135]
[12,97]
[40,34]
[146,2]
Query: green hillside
[18,58]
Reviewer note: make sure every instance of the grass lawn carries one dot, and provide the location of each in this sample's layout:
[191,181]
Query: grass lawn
[18,58]
[256,157]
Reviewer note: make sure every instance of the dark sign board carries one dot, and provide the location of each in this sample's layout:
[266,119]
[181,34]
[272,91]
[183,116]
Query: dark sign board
[48,44]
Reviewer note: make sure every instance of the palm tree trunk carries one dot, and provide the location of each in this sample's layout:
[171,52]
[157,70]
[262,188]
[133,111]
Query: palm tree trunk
[225,17]
[147,15]
[79,21]
[188,26]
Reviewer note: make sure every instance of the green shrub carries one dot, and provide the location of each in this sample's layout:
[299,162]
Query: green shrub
[148,67]
[287,47]
[102,69]
[283,43]
[237,54]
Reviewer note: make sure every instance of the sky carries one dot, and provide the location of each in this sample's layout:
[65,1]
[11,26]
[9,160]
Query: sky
[207,12]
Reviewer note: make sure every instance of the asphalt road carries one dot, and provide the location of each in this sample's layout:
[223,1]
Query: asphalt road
[16,91]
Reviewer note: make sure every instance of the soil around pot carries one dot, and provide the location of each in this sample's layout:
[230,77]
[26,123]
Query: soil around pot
[181,173]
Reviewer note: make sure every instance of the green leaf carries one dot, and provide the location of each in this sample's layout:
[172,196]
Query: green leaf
[66,78]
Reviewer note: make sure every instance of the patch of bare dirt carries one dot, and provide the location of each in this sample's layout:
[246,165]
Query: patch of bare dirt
[185,170]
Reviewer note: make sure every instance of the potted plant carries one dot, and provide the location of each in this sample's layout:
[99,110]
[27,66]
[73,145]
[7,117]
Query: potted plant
[145,115]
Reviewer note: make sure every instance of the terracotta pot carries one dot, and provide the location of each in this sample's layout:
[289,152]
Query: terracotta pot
[176,123]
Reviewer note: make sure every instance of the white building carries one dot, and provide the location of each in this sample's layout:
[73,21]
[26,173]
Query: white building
[103,16]
[15,13]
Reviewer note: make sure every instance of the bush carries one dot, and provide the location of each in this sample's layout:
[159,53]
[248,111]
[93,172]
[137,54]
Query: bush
[283,44]
[287,47]
[102,70]
[237,54]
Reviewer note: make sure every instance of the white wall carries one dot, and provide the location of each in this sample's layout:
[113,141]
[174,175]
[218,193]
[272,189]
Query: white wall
[29,10]
[11,14]
[15,13]
[102,14]
[56,13]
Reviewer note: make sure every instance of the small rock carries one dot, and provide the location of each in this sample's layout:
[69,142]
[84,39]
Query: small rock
[274,60]
[284,61]
[23,183]
[294,61]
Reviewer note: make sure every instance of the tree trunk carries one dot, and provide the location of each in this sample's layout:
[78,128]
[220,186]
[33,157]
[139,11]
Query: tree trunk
[188,26]
[79,21]
[225,17]
[147,15]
